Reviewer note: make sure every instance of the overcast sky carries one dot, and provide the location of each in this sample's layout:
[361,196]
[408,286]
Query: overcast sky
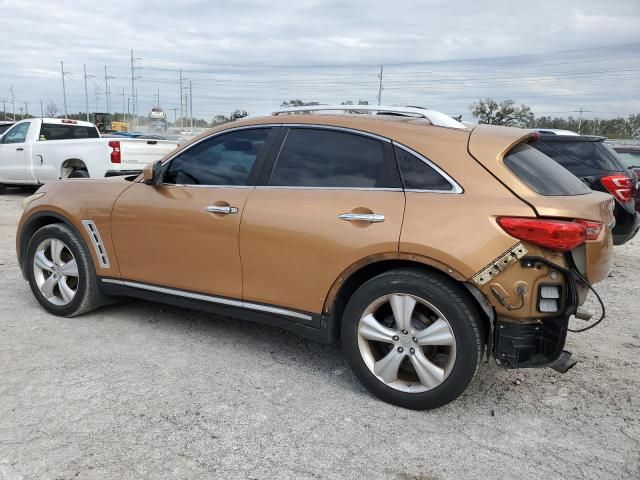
[253,54]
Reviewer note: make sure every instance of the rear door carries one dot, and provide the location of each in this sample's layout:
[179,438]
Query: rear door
[328,199]
[13,153]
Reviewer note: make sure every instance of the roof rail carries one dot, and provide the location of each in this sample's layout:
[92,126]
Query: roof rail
[436,118]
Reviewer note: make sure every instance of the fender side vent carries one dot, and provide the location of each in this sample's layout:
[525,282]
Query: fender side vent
[96,240]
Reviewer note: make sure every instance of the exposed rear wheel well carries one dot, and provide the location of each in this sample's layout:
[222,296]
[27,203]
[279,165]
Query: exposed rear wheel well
[366,273]
[71,165]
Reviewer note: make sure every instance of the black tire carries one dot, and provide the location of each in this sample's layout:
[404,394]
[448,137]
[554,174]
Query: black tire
[452,301]
[79,174]
[3,188]
[87,296]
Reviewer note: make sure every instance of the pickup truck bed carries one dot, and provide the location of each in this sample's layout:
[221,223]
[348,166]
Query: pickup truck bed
[37,151]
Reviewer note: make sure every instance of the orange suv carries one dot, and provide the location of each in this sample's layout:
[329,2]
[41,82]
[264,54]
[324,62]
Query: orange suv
[418,242]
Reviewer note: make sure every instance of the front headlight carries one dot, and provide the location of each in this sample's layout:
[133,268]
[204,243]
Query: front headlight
[31,198]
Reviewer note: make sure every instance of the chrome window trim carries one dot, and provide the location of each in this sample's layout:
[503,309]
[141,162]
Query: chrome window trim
[456,188]
[210,298]
[96,240]
[204,186]
[320,126]
[275,187]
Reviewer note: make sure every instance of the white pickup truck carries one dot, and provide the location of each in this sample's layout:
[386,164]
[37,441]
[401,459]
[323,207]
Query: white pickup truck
[37,151]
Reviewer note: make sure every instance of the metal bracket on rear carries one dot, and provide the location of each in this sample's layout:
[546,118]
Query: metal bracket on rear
[499,264]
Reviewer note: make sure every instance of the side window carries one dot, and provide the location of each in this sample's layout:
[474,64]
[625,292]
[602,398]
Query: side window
[418,175]
[17,134]
[226,159]
[328,158]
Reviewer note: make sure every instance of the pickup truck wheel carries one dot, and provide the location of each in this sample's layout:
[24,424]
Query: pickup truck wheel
[79,174]
[3,189]
[412,338]
[61,272]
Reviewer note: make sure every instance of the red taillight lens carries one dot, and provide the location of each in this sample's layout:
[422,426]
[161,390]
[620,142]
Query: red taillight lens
[619,186]
[553,234]
[115,151]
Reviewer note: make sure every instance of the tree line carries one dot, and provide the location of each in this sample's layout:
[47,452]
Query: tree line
[511,114]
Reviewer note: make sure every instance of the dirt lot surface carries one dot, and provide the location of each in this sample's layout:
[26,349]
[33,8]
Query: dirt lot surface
[140,390]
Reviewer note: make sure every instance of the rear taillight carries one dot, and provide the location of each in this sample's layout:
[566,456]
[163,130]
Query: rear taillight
[592,229]
[561,235]
[618,185]
[115,151]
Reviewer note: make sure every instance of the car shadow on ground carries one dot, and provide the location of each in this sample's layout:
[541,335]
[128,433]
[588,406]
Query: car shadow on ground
[490,387]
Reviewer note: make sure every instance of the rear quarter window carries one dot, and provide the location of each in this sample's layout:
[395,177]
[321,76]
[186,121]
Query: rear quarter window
[541,173]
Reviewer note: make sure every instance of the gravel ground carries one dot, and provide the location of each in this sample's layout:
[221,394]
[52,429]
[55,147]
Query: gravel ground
[141,390]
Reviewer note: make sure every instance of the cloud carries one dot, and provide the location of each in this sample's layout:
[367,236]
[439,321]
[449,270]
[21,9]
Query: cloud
[254,54]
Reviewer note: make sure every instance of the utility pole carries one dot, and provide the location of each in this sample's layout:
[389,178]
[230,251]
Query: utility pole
[181,98]
[124,113]
[191,104]
[64,90]
[13,103]
[26,108]
[175,113]
[134,93]
[86,93]
[41,109]
[380,87]
[106,89]
[97,94]
[158,102]
[581,111]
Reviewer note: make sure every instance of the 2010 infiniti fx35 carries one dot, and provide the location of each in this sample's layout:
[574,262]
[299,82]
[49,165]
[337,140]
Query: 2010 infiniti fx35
[418,242]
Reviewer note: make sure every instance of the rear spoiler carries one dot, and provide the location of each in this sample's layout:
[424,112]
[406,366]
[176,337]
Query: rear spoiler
[490,143]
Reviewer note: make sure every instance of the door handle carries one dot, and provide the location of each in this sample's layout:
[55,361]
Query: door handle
[362,217]
[220,209]
[41,159]
[19,149]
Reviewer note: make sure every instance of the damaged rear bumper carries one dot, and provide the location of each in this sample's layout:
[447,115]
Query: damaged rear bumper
[539,343]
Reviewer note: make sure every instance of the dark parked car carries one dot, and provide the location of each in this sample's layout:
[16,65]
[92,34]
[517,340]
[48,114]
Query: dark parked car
[596,164]
[4,126]
[630,156]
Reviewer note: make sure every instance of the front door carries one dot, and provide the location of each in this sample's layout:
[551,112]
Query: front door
[183,234]
[332,199]
[13,153]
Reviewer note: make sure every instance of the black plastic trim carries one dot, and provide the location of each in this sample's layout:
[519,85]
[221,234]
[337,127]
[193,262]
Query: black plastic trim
[121,173]
[317,329]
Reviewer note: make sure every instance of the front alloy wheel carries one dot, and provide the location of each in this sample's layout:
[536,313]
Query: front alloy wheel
[55,271]
[61,272]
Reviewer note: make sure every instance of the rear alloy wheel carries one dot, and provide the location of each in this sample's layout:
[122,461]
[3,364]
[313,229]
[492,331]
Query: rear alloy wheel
[61,272]
[413,338]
